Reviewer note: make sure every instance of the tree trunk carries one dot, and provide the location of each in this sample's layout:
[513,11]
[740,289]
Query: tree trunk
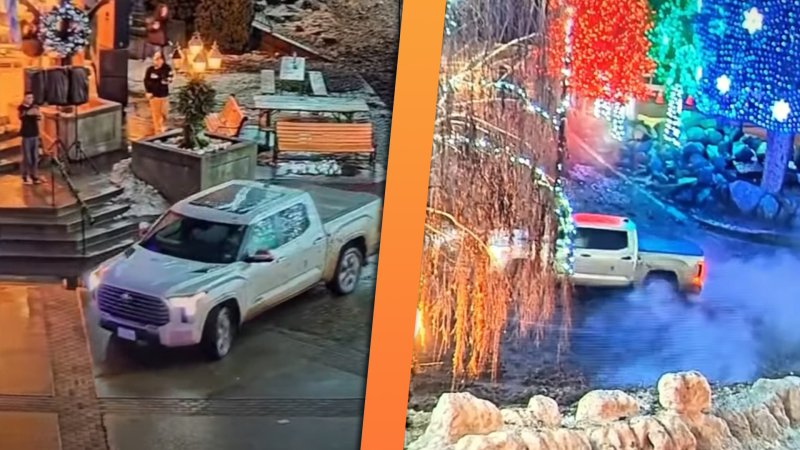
[779,147]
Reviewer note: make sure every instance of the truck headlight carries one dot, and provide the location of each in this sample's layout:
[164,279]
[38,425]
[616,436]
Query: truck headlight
[187,306]
[95,278]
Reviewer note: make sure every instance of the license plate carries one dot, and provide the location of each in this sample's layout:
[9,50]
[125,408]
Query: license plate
[126,334]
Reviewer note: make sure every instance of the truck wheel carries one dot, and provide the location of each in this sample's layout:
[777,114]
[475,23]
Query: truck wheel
[218,332]
[661,281]
[348,271]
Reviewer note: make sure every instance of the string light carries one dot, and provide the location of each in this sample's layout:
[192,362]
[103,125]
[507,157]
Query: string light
[672,126]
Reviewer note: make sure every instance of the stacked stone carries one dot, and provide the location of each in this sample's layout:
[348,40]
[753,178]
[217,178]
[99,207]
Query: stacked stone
[612,420]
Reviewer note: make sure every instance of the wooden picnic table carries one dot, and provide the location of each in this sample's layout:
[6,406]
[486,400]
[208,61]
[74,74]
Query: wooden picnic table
[267,104]
[296,103]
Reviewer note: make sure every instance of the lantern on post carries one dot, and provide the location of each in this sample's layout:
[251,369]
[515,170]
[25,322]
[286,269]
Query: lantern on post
[177,58]
[195,45]
[214,57]
[199,63]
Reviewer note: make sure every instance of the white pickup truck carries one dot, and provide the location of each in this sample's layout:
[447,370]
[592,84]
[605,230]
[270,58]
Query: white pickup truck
[610,252]
[224,255]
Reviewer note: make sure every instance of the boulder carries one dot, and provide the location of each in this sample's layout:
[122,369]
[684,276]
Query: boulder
[703,196]
[616,435]
[692,148]
[681,435]
[606,406]
[684,392]
[651,434]
[711,433]
[705,175]
[745,196]
[752,141]
[544,410]
[743,153]
[788,390]
[459,414]
[697,160]
[644,146]
[768,207]
[725,147]
[761,151]
[719,163]
[695,134]
[713,136]
[733,133]
[499,440]
[656,165]
[712,151]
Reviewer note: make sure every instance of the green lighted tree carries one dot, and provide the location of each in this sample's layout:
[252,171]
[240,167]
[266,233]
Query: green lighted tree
[195,102]
[677,60]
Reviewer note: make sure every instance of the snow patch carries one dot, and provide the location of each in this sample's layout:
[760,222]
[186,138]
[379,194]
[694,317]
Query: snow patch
[144,200]
[326,167]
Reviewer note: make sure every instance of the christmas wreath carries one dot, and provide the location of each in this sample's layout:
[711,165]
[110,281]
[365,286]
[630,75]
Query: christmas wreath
[65,30]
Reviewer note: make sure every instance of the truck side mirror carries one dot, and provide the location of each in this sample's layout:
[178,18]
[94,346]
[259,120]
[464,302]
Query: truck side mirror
[260,256]
[143,228]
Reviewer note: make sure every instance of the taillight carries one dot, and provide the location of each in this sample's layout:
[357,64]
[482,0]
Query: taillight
[700,275]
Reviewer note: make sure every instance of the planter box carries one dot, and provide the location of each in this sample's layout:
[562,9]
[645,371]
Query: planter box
[177,173]
[99,127]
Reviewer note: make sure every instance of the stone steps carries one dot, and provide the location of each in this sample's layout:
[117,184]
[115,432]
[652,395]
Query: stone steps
[39,240]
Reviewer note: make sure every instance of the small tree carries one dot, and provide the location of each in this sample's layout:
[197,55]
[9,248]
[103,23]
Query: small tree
[226,21]
[195,102]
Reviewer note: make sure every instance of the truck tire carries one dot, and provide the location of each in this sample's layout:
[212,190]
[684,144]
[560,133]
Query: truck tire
[219,332]
[661,279]
[348,270]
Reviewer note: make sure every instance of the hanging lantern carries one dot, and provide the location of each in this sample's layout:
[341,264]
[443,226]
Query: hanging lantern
[214,57]
[199,63]
[195,45]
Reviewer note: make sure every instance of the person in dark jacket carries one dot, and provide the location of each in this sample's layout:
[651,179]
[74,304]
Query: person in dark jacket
[29,117]
[157,39]
[157,79]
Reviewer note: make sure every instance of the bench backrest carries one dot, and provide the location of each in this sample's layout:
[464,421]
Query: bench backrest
[229,121]
[324,137]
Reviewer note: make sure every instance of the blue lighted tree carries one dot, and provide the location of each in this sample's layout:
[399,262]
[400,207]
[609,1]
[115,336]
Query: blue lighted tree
[750,51]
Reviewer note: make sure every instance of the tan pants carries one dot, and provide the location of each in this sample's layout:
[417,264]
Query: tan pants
[159,109]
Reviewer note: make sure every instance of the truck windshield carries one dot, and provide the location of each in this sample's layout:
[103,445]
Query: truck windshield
[195,239]
[600,239]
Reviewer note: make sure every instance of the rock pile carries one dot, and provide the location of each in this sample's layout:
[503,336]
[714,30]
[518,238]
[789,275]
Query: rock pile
[760,417]
[717,165]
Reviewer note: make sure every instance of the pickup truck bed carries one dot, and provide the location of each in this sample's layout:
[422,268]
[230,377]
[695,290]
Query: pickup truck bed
[651,244]
[331,204]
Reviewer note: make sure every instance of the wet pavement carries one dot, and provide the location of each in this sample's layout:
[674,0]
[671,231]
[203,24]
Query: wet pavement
[299,367]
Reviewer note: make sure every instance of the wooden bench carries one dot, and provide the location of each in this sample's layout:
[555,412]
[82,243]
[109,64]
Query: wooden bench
[324,138]
[229,121]
[317,82]
[268,82]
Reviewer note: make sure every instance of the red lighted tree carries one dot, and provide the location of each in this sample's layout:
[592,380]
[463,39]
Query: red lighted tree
[609,49]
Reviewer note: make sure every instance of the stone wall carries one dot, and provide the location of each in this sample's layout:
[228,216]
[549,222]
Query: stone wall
[764,415]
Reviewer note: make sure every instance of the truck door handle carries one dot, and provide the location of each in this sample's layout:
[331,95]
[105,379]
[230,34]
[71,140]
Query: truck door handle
[586,255]
[626,258]
[318,240]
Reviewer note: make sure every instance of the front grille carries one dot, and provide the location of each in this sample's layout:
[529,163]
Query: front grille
[133,306]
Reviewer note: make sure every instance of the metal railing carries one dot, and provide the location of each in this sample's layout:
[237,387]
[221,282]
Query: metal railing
[86,216]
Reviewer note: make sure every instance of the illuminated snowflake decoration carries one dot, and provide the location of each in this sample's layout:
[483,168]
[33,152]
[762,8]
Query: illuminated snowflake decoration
[753,20]
[781,110]
[698,74]
[723,84]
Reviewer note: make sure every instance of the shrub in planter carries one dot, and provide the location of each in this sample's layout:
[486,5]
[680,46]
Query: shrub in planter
[195,102]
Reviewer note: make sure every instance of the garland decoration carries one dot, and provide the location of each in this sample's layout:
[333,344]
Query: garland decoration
[65,30]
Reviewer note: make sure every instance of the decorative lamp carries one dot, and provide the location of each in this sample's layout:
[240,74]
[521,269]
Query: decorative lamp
[195,45]
[177,58]
[214,57]
[199,63]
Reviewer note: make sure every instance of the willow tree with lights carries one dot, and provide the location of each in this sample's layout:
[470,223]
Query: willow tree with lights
[498,227]
[750,52]
[674,50]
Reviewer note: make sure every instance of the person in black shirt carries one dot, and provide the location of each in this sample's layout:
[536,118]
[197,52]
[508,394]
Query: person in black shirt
[29,116]
[157,79]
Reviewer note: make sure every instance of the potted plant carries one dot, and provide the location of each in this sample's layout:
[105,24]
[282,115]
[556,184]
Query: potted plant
[195,102]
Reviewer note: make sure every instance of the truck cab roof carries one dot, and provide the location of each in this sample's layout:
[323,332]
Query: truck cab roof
[236,202]
[603,221]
